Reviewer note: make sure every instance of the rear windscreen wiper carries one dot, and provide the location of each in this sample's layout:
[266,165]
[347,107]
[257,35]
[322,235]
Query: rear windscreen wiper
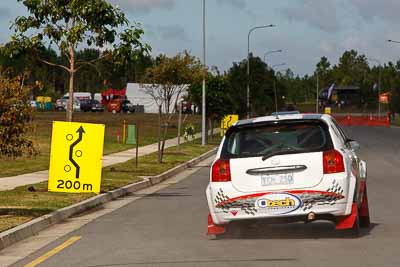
[287,150]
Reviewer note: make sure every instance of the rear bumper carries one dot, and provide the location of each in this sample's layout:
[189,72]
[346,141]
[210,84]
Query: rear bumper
[333,197]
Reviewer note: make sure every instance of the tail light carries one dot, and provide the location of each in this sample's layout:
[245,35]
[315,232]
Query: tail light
[221,171]
[333,161]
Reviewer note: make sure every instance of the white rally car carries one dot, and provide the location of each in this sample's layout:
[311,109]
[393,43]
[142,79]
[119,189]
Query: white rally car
[296,167]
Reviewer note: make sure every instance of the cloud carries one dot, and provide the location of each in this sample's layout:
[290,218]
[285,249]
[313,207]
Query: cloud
[235,3]
[168,32]
[385,10]
[316,13]
[355,42]
[143,6]
[328,47]
[4,12]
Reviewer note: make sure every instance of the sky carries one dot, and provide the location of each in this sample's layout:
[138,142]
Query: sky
[305,30]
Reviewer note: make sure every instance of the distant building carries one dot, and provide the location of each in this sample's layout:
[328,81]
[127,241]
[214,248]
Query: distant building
[136,93]
[341,96]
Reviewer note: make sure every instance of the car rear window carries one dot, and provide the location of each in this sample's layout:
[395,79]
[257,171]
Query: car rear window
[280,137]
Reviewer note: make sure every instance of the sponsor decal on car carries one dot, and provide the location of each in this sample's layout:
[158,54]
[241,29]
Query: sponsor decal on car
[278,203]
[281,203]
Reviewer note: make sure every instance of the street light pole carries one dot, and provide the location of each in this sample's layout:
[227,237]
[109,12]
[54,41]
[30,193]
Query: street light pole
[203,109]
[271,52]
[275,91]
[248,63]
[379,83]
[316,105]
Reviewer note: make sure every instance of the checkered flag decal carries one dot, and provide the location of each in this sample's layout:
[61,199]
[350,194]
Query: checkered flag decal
[222,202]
[323,199]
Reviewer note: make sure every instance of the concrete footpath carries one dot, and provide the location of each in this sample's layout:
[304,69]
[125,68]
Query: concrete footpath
[9,183]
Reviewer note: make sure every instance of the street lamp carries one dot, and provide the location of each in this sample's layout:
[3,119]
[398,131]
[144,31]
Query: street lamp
[276,95]
[248,63]
[271,52]
[379,82]
[278,65]
[392,41]
[203,109]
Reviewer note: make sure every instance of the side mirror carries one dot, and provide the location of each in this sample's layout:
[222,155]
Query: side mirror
[354,145]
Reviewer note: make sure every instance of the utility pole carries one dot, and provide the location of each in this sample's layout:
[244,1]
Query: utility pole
[276,96]
[275,90]
[379,82]
[203,109]
[248,64]
[317,98]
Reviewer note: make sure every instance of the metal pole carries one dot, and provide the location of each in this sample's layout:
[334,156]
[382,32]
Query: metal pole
[275,92]
[316,105]
[203,109]
[379,90]
[137,145]
[248,75]
[379,79]
[179,125]
[271,52]
[248,64]
[159,134]
[276,97]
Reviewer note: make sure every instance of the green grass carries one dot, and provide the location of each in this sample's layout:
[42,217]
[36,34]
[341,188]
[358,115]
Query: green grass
[396,121]
[41,135]
[10,221]
[26,202]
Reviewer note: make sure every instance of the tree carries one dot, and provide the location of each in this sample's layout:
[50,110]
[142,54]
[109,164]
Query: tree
[351,68]
[167,81]
[15,114]
[323,70]
[261,86]
[218,95]
[70,23]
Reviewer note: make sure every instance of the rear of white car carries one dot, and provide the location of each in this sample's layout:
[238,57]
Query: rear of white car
[283,167]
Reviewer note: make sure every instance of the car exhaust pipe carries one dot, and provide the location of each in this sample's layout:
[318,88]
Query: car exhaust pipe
[311,217]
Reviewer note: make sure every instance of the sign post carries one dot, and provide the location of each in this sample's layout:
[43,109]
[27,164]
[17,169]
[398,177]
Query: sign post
[76,157]
[133,139]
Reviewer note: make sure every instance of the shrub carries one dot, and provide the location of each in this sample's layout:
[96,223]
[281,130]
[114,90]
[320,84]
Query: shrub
[15,115]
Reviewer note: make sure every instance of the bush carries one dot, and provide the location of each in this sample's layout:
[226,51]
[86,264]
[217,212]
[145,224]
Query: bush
[15,115]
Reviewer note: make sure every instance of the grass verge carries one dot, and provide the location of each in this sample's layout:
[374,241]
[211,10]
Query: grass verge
[27,202]
[41,135]
[396,121]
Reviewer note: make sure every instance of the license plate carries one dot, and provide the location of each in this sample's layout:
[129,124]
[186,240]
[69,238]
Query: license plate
[277,179]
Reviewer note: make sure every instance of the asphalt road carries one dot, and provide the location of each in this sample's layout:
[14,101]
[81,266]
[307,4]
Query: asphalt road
[168,228]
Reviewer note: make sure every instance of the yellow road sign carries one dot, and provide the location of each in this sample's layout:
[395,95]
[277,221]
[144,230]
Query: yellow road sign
[328,110]
[227,122]
[76,157]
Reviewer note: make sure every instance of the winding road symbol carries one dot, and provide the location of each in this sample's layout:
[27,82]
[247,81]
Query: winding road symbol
[81,131]
[227,123]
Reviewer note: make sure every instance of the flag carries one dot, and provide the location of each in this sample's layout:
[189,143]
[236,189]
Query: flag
[375,87]
[330,90]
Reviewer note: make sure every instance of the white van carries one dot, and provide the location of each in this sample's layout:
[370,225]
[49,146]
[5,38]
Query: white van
[80,96]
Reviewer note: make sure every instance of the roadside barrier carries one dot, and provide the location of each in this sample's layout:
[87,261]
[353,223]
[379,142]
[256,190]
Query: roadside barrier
[362,120]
